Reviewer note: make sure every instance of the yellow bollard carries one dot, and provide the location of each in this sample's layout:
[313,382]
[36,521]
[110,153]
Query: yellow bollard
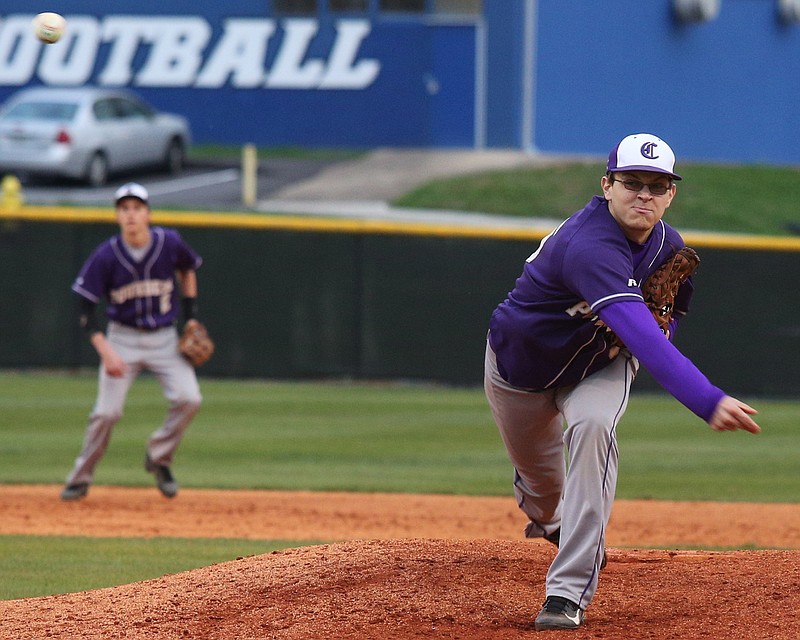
[11,197]
[249,175]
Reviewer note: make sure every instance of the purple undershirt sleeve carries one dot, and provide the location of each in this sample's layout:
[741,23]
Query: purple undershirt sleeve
[634,325]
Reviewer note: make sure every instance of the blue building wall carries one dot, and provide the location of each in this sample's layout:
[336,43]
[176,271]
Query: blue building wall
[560,77]
[726,89]
[242,75]
[505,53]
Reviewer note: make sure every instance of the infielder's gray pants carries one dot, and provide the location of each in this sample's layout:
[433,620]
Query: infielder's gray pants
[156,351]
[579,499]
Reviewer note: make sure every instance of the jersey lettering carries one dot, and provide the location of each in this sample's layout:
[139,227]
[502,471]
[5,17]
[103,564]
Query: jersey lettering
[581,308]
[585,311]
[161,289]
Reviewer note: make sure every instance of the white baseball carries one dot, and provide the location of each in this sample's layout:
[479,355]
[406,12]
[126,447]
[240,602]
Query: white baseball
[49,26]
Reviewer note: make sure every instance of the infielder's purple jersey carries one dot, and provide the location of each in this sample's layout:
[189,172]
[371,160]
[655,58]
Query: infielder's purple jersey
[547,333]
[139,294]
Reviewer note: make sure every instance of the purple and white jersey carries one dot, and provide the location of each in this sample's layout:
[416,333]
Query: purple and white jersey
[141,294]
[547,333]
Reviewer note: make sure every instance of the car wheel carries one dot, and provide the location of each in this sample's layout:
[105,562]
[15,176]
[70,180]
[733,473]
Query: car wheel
[97,170]
[175,156]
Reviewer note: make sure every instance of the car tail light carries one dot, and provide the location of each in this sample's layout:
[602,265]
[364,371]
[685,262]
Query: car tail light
[63,137]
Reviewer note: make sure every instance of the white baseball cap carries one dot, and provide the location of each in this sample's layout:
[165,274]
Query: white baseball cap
[643,152]
[131,190]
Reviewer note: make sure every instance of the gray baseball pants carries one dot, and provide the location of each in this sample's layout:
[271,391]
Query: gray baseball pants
[575,494]
[156,351]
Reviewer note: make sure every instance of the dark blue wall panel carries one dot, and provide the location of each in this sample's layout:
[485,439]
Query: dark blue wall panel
[558,77]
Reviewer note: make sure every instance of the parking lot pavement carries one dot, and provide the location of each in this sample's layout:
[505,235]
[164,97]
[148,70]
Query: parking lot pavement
[363,187]
[385,174]
[206,185]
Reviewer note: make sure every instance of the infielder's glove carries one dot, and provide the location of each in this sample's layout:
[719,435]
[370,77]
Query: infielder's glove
[195,344]
[662,286]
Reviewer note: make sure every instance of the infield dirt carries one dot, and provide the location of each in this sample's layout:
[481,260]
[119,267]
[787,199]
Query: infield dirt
[411,566]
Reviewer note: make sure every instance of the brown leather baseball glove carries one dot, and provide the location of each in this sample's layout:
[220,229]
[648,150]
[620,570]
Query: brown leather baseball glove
[661,287]
[195,343]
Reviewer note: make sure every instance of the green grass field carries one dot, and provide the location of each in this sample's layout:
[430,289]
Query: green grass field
[337,436]
[752,199]
[386,437]
[376,437]
[729,198]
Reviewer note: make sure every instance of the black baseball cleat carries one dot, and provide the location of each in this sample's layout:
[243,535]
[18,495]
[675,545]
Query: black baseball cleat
[75,491]
[555,538]
[559,613]
[164,480]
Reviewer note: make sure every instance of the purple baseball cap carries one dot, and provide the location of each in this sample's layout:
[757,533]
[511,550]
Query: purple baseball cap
[643,152]
[131,190]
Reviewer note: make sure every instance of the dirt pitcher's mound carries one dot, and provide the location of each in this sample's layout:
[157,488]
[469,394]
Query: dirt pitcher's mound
[415,588]
[410,567]
[335,516]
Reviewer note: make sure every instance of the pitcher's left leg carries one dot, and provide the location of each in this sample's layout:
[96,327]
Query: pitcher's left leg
[592,410]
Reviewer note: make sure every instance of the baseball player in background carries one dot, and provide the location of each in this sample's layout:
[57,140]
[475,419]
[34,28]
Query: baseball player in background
[138,273]
[556,375]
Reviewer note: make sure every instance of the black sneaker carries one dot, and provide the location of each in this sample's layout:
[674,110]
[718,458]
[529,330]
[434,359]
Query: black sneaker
[75,491]
[166,483]
[559,613]
[555,538]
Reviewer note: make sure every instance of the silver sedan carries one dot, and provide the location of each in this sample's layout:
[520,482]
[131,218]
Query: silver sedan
[88,134]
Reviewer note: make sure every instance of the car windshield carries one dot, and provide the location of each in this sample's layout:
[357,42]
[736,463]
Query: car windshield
[59,111]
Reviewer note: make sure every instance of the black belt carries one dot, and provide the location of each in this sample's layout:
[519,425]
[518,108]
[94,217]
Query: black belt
[145,329]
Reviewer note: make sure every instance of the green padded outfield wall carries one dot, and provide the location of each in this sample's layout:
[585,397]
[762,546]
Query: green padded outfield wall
[295,298]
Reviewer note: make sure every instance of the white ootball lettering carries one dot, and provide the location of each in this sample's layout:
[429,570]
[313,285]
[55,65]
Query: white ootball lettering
[145,289]
[341,72]
[72,65]
[289,70]
[175,52]
[239,55]
[18,49]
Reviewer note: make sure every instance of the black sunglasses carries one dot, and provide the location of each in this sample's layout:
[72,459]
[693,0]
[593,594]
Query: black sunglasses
[655,188]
